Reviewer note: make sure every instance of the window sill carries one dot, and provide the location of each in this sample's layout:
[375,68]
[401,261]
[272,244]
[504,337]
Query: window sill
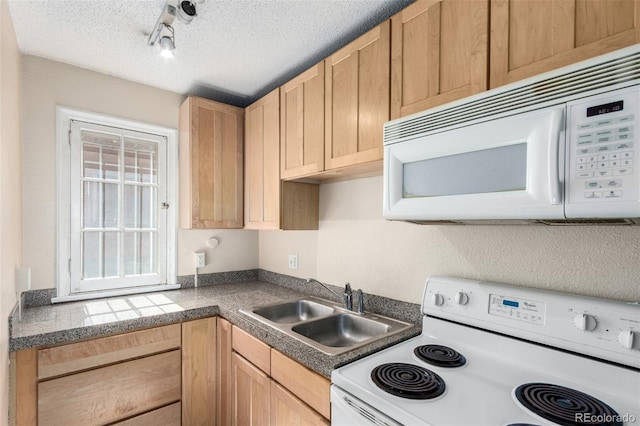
[113,293]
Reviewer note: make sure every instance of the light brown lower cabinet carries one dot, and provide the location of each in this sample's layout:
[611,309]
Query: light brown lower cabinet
[158,376]
[111,393]
[270,388]
[288,410]
[224,379]
[251,390]
[199,372]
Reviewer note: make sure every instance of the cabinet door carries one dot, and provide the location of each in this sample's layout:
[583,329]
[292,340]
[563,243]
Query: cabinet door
[225,373]
[529,37]
[251,393]
[305,384]
[286,409]
[439,52]
[211,164]
[198,372]
[357,99]
[262,159]
[302,124]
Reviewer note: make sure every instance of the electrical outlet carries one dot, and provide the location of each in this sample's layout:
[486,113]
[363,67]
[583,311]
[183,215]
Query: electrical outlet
[198,259]
[293,261]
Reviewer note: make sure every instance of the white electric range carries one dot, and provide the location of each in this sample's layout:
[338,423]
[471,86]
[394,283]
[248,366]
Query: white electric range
[492,354]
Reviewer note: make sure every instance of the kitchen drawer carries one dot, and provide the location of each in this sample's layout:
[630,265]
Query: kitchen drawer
[165,416]
[288,410]
[111,393]
[61,360]
[312,388]
[252,349]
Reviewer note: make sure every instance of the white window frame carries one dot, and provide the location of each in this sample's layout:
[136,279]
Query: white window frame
[64,117]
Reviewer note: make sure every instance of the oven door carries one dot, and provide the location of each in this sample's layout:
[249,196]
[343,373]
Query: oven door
[348,411]
[508,168]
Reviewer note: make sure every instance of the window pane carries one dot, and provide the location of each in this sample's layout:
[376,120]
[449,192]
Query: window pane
[130,166]
[90,254]
[100,154]
[141,160]
[91,194]
[146,219]
[111,205]
[131,211]
[111,259]
[140,253]
[111,162]
[147,253]
[130,253]
[91,161]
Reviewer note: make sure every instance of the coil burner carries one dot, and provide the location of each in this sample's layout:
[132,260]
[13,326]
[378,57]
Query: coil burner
[565,406]
[408,381]
[441,356]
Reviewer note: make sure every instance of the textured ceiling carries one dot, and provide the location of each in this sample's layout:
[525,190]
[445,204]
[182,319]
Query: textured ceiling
[233,51]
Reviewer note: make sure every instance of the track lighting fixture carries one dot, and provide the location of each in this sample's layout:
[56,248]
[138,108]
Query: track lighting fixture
[185,11]
[167,43]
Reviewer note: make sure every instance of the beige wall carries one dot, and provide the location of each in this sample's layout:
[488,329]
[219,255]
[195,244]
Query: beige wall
[47,84]
[10,189]
[394,259]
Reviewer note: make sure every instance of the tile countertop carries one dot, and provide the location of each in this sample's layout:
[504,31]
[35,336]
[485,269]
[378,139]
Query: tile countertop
[69,322]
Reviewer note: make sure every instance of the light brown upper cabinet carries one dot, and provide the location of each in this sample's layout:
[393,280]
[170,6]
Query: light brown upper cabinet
[529,37]
[439,52]
[302,124]
[271,203]
[357,99]
[211,161]
[262,163]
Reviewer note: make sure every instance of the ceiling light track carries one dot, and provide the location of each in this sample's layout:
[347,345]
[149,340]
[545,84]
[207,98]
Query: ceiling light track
[185,11]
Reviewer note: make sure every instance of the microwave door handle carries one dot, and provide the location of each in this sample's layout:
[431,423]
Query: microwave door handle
[555,132]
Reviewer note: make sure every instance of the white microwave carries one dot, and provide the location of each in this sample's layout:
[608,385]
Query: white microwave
[561,148]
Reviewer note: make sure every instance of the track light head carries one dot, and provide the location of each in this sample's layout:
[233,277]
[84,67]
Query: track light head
[167,47]
[186,11]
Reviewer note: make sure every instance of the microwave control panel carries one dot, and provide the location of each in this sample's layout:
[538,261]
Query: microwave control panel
[603,155]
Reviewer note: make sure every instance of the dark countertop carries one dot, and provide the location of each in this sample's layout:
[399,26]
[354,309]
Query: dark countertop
[73,321]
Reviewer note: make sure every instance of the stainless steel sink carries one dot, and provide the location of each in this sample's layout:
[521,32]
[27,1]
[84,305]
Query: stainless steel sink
[324,325]
[341,330]
[295,311]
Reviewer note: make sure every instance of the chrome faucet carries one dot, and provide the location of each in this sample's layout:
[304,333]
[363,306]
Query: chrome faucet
[347,296]
[359,302]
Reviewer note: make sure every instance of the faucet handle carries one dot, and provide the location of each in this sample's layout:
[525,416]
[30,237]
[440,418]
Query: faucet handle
[347,288]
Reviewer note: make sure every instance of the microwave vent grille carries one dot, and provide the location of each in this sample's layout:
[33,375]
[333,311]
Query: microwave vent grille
[519,97]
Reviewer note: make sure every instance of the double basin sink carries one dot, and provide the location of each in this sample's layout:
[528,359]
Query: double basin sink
[325,326]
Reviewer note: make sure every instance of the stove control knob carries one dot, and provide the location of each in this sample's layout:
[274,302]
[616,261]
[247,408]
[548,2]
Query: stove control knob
[437,299]
[585,322]
[628,339]
[461,298]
